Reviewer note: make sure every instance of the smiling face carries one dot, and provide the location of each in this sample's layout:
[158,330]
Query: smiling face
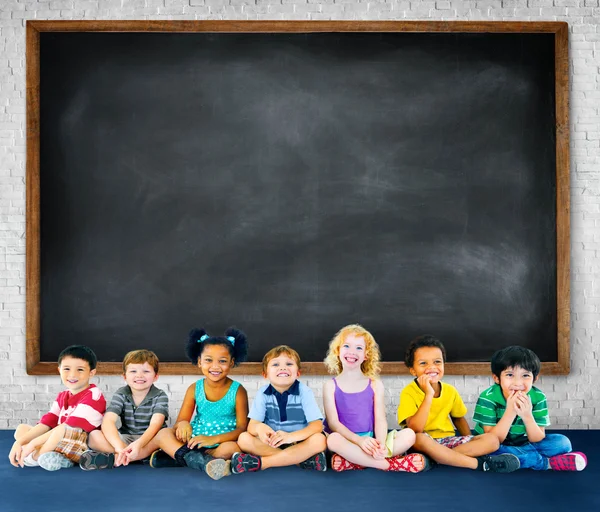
[75,374]
[282,371]
[428,361]
[515,379]
[352,352]
[215,362]
[140,377]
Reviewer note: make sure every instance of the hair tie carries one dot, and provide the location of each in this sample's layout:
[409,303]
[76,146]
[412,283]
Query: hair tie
[203,337]
[232,339]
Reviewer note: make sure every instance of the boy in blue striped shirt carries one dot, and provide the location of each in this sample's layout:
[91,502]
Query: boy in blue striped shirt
[286,424]
[517,412]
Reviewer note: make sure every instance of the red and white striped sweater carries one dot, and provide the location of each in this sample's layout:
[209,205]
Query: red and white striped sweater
[83,410]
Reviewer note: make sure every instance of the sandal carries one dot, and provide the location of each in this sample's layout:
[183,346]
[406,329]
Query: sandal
[406,463]
[343,464]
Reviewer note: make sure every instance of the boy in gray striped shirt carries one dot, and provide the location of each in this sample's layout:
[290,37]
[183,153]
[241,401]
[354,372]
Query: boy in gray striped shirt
[142,409]
[517,413]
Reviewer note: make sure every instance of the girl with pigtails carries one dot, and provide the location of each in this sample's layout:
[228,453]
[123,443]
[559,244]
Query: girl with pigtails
[209,439]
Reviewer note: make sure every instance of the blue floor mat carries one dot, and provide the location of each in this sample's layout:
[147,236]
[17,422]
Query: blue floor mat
[141,488]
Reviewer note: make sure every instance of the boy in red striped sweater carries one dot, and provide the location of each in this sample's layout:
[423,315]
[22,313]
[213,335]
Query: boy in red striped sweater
[60,437]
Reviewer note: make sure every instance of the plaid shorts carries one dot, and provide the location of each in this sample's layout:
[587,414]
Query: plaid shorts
[453,441]
[73,444]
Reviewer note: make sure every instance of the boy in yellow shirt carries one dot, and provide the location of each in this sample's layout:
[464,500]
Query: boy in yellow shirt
[435,412]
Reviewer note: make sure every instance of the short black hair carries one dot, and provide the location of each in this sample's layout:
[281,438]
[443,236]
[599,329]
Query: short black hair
[515,355]
[79,352]
[425,340]
[234,340]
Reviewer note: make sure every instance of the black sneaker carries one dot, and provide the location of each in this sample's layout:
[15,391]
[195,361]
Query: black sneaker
[504,463]
[160,459]
[91,460]
[317,462]
[244,463]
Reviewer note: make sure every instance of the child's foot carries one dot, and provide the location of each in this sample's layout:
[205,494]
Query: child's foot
[411,463]
[30,462]
[218,468]
[504,463]
[317,462]
[573,461]
[160,459]
[244,463]
[53,461]
[338,463]
[91,459]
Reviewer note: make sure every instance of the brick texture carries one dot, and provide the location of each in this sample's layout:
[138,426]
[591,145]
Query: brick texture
[574,399]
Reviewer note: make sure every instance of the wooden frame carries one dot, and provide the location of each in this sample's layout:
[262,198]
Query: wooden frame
[34,28]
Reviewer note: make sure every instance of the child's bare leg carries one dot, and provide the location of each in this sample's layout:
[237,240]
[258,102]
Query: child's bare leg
[97,442]
[224,450]
[149,449]
[353,453]
[22,430]
[297,453]
[55,437]
[403,440]
[253,445]
[442,454]
[167,442]
[479,445]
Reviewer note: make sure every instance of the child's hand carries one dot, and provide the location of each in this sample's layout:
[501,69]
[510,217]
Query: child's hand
[130,453]
[280,437]
[523,405]
[121,457]
[368,445]
[381,452]
[15,454]
[265,433]
[424,382]
[510,402]
[184,431]
[25,451]
[200,441]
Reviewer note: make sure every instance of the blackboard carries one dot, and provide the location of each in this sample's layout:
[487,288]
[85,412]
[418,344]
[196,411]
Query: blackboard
[290,182]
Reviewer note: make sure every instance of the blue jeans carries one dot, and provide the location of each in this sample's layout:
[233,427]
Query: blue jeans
[535,455]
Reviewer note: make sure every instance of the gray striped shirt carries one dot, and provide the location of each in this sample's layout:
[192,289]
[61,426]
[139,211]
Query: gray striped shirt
[136,419]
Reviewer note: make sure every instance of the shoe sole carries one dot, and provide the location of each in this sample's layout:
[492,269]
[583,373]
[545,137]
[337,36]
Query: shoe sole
[218,468]
[54,461]
[511,463]
[90,461]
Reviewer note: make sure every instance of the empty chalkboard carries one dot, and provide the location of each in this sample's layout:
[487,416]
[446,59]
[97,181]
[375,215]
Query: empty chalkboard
[290,179]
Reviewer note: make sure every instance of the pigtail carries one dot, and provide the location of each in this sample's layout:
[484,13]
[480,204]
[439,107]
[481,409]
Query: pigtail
[239,345]
[193,347]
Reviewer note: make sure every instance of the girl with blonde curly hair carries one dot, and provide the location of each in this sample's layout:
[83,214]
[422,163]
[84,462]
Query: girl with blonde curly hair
[355,409]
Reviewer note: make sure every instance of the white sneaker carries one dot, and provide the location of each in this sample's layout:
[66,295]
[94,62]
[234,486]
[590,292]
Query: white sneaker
[53,461]
[30,462]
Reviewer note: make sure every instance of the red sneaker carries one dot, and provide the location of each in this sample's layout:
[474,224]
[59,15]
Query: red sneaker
[573,461]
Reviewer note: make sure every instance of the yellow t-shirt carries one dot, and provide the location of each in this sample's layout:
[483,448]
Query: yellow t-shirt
[439,424]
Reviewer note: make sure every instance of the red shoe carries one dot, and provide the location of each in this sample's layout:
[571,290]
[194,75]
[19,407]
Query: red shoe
[573,461]
[406,463]
[343,464]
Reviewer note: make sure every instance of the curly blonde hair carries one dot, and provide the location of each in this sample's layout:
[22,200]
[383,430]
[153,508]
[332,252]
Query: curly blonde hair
[370,366]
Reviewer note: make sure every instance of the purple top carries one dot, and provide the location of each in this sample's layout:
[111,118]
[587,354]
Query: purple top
[356,411]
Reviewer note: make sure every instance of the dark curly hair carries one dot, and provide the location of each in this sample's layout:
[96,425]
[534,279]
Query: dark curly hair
[426,340]
[234,340]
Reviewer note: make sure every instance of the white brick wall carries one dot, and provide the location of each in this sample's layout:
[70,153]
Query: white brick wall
[574,400]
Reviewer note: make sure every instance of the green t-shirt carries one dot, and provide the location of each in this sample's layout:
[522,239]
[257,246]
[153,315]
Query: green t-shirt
[492,404]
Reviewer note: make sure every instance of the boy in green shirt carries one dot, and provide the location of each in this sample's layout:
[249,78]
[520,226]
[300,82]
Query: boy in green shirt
[517,412]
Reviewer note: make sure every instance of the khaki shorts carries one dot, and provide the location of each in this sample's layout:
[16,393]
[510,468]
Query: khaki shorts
[73,444]
[129,438]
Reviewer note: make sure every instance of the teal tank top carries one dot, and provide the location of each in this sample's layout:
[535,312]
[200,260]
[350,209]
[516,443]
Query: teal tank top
[213,418]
